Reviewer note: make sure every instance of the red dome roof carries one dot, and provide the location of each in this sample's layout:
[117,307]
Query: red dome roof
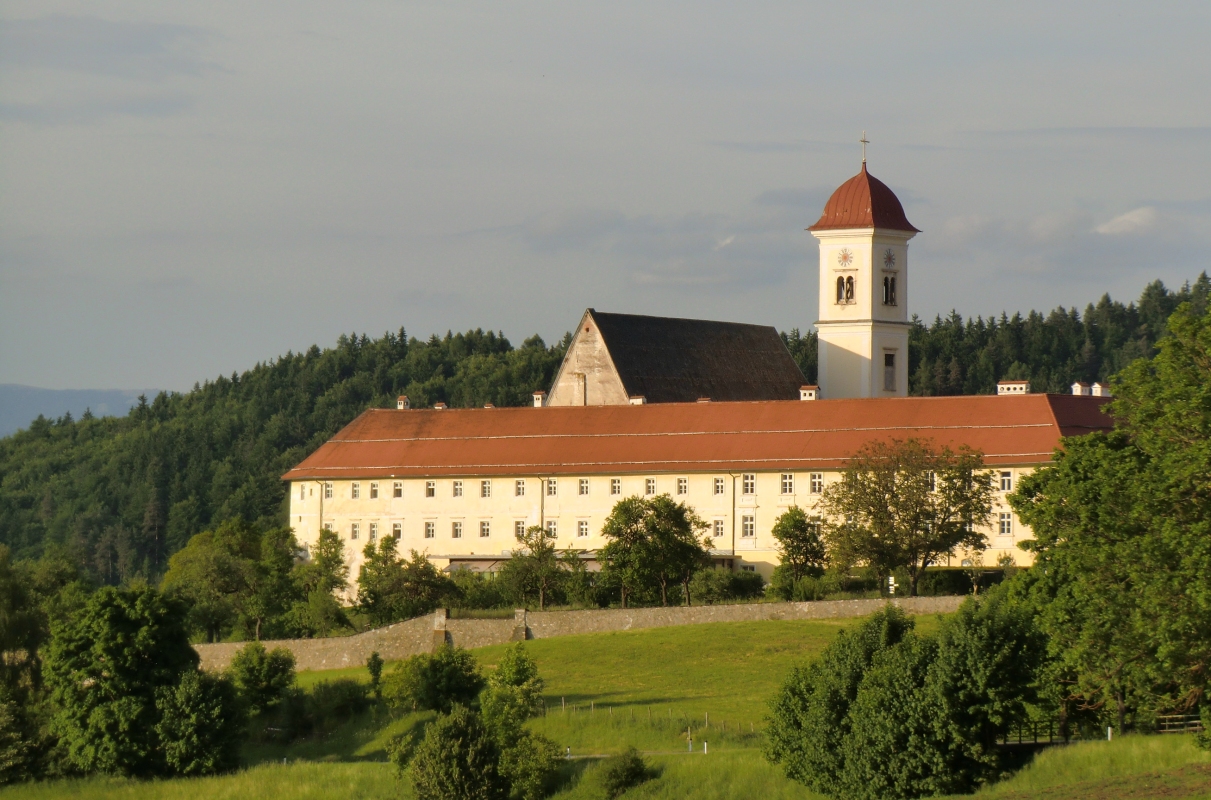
[863,201]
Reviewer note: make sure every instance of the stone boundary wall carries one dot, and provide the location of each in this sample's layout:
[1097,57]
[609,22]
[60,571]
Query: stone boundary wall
[424,634]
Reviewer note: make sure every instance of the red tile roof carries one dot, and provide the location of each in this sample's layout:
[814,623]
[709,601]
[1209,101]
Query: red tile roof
[690,437]
[863,201]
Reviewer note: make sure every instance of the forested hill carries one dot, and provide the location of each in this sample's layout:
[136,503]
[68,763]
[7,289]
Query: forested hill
[122,494]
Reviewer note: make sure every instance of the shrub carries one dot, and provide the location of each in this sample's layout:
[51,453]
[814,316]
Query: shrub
[374,665]
[623,772]
[477,590]
[200,725]
[15,749]
[434,681]
[513,695]
[457,760]
[332,702]
[720,585]
[400,749]
[529,765]
[262,677]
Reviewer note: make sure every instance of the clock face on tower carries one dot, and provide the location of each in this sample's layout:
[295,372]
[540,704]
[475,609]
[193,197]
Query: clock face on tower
[845,258]
[889,259]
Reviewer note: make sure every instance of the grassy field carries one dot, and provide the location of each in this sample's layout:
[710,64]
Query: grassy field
[649,688]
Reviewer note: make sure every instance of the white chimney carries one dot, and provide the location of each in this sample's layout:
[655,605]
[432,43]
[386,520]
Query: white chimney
[439,406]
[638,400]
[704,399]
[809,392]
[539,398]
[1081,388]
[402,403]
[1013,387]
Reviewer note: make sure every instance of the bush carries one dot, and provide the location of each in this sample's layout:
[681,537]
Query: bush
[435,681]
[374,665]
[15,750]
[529,765]
[400,749]
[721,585]
[262,677]
[513,695]
[477,590]
[457,760]
[332,702]
[623,772]
[201,725]
[783,586]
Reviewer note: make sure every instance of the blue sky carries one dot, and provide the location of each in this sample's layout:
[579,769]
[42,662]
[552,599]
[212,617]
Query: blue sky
[188,188]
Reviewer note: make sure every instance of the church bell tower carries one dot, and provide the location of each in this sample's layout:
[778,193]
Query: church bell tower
[863,323]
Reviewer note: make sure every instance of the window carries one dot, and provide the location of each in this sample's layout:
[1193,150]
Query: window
[932,477]
[582,528]
[458,488]
[374,491]
[584,486]
[485,529]
[398,489]
[456,530]
[519,527]
[485,488]
[1006,481]
[788,483]
[397,530]
[747,568]
[1006,524]
[683,486]
[327,491]
[552,528]
[649,486]
[430,530]
[354,530]
[615,485]
[748,483]
[840,290]
[748,527]
[519,488]
[552,487]
[302,492]
[430,488]
[356,491]
[373,531]
[816,482]
[889,290]
[889,372]
[720,486]
[718,529]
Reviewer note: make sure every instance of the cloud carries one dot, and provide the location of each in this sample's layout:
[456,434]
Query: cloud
[1141,220]
[93,110]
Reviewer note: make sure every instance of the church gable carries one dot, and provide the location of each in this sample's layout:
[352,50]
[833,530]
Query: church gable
[587,376]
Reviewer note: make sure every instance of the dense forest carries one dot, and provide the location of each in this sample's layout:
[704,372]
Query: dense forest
[119,495]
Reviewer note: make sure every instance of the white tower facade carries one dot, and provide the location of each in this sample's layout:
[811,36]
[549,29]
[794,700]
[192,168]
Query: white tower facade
[863,321]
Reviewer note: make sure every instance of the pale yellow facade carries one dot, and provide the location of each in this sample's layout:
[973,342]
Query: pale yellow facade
[478,516]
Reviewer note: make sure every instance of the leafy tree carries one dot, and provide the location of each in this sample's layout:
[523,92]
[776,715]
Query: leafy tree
[907,503]
[799,543]
[653,542]
[622,772]
[16,750]
[262,677]
[513,694]
[391,588]
[322,579]
[200,726]
[534,570]
[623,559]
[458,760]
[374,665]
[528,765]
[436,681]
[105,668]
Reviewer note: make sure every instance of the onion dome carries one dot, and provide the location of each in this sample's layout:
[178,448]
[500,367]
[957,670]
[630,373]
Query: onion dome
[863,201]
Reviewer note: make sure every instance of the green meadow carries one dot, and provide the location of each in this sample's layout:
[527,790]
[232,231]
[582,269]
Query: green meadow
[654,689]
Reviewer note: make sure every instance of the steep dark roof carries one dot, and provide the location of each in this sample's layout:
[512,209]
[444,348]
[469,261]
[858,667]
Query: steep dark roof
[669,360]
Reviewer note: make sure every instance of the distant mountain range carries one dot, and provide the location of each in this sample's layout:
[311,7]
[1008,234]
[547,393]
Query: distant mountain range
[21,405]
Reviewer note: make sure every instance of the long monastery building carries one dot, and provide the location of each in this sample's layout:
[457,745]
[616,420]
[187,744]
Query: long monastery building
[715,414]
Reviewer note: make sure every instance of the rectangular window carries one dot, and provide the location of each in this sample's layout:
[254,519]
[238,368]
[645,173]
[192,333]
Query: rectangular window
[458,488]
[552,528]
[373,531]
[718,529]
[889,290]
[456,530]
[1006,481]
[327,491]
[374,491]
[720,486]
[889,372]
[430,488]
[354,530]
[430,530]
[582,528]
[683,486]
[748,527]
[1006,524]
[615,485]
[485,488]
[302,492]
[816,482]
[584,486]
[519,527]
[397,490]
[552,487]
[519,488]
[933,481]
[788,483]
[748,483]
[649,486]
[485,529]
[397,530]
[355,491]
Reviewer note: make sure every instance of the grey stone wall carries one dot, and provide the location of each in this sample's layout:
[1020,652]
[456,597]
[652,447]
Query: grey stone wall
[423,634]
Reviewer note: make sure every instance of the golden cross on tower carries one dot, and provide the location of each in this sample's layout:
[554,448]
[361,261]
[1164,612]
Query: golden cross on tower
[864,142]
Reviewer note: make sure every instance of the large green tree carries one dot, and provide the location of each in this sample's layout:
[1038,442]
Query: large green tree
[390,588]
[534,570]
[800,544]
[653,542]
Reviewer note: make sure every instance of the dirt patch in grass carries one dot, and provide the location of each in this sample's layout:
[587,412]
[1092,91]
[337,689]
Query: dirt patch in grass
[1183,783]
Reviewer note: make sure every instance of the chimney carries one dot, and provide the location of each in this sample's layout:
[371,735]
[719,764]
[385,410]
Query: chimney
[638,400]
[1080,388]
[1013,387]
[540,397]
[489,405]
[704,399]
[809,392]
[439,406]
[402,403]
[1100,390]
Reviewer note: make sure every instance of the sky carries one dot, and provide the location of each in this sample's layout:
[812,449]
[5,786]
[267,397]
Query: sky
[187,189]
